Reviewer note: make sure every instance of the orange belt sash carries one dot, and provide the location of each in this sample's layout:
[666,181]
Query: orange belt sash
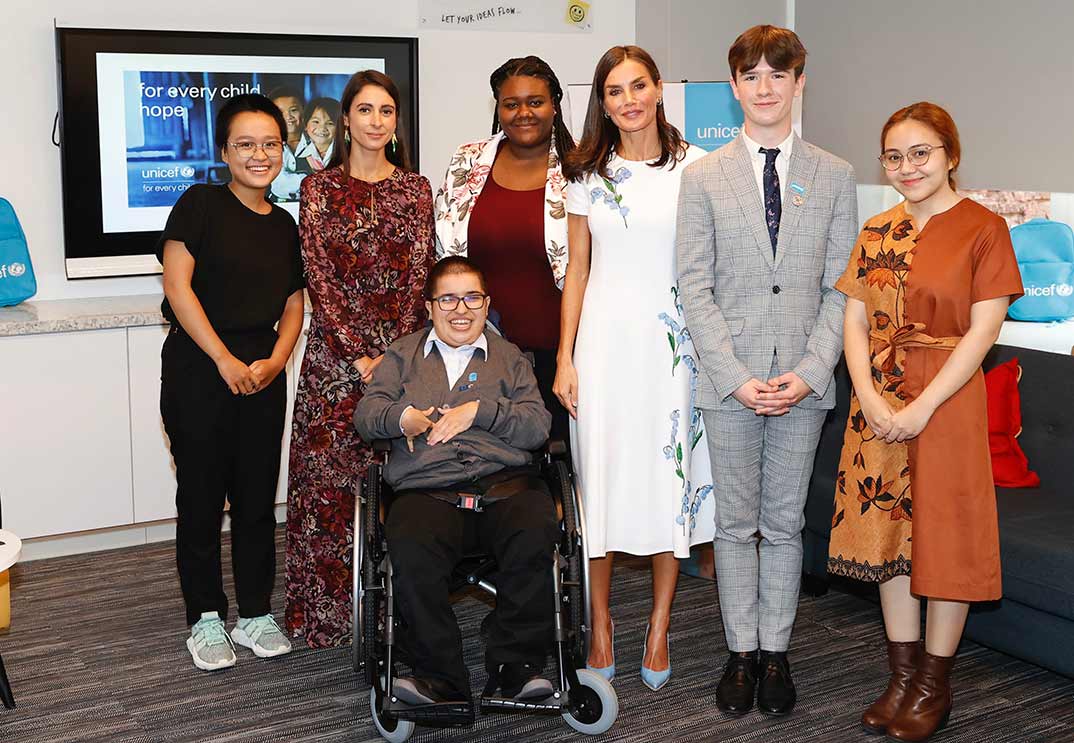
[908,336]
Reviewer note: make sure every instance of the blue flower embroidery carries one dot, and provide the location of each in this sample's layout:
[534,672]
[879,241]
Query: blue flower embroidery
[679,340]
[611,197]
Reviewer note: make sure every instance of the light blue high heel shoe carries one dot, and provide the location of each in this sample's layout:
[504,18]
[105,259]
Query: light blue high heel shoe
[608,672]
[654,679]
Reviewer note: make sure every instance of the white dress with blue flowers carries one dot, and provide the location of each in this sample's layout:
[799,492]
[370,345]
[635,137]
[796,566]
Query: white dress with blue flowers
[638,444]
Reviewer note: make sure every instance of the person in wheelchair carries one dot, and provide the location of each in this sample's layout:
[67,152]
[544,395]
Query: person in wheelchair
[463,411]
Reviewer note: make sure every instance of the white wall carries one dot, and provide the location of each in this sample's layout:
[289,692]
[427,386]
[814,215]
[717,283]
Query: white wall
[689,39]
[455,102]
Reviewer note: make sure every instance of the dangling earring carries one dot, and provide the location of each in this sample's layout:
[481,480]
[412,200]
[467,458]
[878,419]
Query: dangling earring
[347,136]
[394,142]
[660,101]
[606,115]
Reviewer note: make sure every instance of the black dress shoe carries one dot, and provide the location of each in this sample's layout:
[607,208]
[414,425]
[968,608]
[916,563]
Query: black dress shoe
[417,691]
[775,692]
[734,694]
[523,682]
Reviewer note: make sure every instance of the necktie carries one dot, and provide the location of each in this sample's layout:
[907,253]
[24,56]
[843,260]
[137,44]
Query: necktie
[773,207]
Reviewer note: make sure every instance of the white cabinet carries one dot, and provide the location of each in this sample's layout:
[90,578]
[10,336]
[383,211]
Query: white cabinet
[153,473]
[65,438]
[82,445]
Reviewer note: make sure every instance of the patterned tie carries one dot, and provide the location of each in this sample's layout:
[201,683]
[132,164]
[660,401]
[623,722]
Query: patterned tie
[773,207]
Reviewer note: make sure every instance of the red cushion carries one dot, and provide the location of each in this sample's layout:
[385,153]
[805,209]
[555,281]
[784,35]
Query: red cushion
[1010,468]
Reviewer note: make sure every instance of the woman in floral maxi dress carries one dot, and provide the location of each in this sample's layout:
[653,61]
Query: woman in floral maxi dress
[927,288]
[366,224]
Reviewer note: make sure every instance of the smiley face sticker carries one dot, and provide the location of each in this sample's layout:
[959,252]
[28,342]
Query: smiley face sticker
[577,12]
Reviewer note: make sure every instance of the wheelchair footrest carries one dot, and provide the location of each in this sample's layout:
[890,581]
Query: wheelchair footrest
[442,715]
[554,704]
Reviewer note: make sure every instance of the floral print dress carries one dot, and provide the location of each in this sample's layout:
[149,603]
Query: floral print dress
[366,250]
[934,492]
[638,443]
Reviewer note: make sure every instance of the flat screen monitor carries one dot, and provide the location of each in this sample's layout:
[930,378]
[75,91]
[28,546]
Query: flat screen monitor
[137,119]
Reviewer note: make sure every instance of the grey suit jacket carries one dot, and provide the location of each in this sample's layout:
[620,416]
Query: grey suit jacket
[741,304]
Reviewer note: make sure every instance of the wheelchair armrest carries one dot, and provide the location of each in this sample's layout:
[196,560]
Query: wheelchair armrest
[382,446]
[556,447]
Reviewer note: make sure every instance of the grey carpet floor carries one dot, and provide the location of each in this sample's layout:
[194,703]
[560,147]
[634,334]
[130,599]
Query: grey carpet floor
[97,653]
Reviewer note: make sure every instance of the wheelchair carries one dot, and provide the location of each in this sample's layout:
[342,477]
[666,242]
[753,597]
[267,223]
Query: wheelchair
[585,700]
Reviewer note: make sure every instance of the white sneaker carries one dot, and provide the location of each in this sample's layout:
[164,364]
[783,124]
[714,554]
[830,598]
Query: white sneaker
[262,635]
[209,645]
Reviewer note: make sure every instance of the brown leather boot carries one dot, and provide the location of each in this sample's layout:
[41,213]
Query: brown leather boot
[903,658]
[927,704]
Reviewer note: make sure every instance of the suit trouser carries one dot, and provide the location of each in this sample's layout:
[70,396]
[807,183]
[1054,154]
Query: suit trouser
[761,467]
[427,538]
[225,446]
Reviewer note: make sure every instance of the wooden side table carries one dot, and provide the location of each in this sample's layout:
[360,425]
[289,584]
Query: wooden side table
[10,548]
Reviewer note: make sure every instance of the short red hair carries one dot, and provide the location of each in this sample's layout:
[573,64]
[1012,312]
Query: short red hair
[937,119]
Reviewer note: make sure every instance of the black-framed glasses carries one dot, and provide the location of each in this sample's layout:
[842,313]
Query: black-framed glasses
[273,149]
[448,302]
[918,155]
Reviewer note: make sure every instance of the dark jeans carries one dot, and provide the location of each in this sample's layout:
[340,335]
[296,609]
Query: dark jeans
[427,538]
[225,447]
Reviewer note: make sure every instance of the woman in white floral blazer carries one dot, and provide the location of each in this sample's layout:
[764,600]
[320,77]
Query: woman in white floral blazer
[502,205]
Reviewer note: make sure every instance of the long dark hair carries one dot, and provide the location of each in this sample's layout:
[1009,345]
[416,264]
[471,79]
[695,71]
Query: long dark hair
[532,66]
[600,136]
[341,152]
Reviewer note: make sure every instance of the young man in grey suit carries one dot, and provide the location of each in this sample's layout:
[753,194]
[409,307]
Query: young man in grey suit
[765,227]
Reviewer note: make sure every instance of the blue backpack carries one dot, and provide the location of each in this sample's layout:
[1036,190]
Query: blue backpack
[17,280]
[1045,253]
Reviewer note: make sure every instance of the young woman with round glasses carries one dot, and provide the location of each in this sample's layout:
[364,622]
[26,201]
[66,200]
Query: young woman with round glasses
[233,295]
[927,287]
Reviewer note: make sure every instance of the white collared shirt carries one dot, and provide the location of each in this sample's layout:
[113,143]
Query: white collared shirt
[783,163]
[456,359]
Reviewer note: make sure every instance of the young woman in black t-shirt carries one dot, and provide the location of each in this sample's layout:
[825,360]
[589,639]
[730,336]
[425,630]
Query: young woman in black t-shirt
[233,294]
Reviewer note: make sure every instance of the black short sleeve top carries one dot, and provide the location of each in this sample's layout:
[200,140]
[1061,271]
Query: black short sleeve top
[246,264]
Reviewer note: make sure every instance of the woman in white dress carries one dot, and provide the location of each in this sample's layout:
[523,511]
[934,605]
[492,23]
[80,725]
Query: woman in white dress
[626,366]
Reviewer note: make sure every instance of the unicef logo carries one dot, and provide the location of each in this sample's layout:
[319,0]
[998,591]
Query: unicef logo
[16,269]
[1064,290]
[187,171]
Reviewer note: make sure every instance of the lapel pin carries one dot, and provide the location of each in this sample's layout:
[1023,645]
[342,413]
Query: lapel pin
[472,377]
[799,192]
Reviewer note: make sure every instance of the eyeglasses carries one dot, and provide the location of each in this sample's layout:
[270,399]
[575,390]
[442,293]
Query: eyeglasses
[448,302]
[917,155]
[273,149]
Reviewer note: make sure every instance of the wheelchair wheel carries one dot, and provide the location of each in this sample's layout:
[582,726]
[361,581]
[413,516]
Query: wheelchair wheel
[358,589]
[371,609]
[593,707]
[392,730]
[574,594]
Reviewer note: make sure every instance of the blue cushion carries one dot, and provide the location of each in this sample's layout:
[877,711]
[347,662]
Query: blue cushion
[1036,537]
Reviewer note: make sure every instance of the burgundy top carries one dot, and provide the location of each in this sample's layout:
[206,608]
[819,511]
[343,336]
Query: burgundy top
[506,240]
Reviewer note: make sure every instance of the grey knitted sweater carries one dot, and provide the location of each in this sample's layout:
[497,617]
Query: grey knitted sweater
[511,419]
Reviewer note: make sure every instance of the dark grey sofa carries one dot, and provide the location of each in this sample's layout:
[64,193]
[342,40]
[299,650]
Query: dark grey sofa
[1035,619]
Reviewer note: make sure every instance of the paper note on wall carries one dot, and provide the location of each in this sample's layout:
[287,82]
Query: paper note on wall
[541,16]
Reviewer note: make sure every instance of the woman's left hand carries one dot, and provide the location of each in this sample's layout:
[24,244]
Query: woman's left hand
[264,371]
[908,422]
